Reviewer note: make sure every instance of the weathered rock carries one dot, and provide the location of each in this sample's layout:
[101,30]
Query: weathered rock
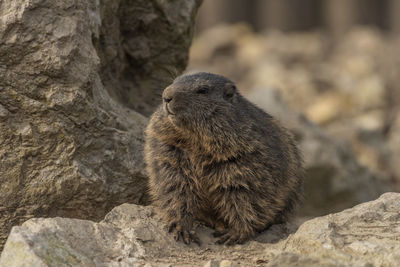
[70,242]
[132,235]
[143,45]
[66,147]
[334,178]
[129,235]
[366,235]
[211,264]
[296,260]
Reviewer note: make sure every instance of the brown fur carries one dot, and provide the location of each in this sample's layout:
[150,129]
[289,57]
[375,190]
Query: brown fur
[212,155]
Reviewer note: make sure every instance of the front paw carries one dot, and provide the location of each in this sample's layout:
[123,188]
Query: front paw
[182,231]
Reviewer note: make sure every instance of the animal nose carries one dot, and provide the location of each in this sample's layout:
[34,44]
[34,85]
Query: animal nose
[167,99]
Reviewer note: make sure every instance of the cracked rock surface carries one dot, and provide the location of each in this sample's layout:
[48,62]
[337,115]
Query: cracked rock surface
[132,235]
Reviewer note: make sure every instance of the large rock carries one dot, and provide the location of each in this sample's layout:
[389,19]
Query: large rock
[143,45]
[366,235]
[334,178]
[66,147]
[131,235]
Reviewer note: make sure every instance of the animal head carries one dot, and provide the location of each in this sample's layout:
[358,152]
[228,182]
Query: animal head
[198,98]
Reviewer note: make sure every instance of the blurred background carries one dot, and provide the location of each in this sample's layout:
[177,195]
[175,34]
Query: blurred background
[335,63]
[337,16]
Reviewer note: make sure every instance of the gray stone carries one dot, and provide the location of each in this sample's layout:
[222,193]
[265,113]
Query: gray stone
[211,264]
[296,260]
[3,112]
[132,235]
[70,242]
[366,234]
[143,45]
[68,148]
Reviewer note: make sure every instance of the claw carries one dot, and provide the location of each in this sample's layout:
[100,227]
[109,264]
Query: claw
[218,233]
[171,227]
[223,239]
[186,236]
[195,239]
[177,235]
[231,239]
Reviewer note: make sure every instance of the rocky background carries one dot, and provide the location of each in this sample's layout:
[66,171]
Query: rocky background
[347,89]
[78,80]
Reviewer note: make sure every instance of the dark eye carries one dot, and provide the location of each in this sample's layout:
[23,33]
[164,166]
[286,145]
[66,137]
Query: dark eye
[202,90]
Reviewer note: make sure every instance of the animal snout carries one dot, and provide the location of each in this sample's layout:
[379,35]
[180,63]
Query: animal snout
[168,94]
[167,99]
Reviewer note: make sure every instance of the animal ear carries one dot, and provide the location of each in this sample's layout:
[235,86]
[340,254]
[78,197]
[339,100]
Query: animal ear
[229,91]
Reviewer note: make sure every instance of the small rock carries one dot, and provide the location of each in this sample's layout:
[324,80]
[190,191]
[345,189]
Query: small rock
[3,112]
[24,129]
[228,263]
[212,263]
[325,109]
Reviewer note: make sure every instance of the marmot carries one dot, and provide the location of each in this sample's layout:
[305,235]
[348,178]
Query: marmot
[213,156]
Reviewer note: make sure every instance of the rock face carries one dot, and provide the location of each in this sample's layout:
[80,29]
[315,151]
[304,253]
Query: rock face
[334,178]
[143,45]
[66,147]
[131,235]
[366,234]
